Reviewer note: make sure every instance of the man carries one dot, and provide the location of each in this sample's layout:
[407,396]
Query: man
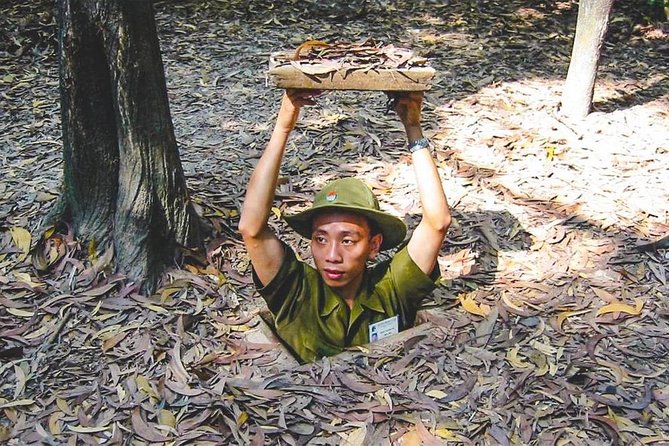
[319,312]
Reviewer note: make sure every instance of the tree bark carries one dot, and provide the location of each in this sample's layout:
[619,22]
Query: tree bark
[123,183]
[592,22]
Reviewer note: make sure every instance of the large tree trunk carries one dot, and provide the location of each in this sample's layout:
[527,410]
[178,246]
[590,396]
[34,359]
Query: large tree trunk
[123,180]
[593,18]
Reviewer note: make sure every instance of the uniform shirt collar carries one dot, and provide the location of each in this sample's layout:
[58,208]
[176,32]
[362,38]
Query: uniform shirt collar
[370,300]
[331,301]
[365,298]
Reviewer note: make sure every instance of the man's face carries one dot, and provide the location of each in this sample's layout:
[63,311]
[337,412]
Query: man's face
[341,244]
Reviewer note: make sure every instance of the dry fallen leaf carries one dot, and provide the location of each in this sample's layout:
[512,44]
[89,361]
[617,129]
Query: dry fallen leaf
[473,307]
[22,239]
[620,307]
[145,430]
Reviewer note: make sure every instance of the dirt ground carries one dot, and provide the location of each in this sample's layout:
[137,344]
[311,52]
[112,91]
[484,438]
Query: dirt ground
[549,328]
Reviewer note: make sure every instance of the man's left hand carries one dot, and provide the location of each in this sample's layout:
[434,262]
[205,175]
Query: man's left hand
[408,107]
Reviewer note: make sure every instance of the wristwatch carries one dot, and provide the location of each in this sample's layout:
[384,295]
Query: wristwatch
[419,144]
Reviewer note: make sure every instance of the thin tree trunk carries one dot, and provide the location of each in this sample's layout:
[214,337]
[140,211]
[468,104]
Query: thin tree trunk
[592,22]
[658,10]
[123,180]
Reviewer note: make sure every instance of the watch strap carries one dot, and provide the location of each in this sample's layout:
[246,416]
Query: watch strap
[419,144]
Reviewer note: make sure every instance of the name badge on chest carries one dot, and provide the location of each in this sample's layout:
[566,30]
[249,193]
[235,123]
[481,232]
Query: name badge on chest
[383,329]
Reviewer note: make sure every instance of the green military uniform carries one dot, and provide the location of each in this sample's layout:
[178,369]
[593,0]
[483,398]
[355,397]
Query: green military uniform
[315,322]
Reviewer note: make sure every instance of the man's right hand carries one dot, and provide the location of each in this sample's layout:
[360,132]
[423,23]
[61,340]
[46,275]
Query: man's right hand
[291,103]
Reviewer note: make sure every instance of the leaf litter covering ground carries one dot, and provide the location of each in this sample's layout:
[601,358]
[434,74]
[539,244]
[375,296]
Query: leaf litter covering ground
[550,328]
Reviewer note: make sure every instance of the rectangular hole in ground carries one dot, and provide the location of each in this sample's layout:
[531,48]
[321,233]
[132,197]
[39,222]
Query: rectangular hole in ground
[264,333]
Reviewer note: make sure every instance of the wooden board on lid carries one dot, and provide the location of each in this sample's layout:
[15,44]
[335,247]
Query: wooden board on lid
[340,66]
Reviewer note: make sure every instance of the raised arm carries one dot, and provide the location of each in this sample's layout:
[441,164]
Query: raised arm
[428,236]
[263,246]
